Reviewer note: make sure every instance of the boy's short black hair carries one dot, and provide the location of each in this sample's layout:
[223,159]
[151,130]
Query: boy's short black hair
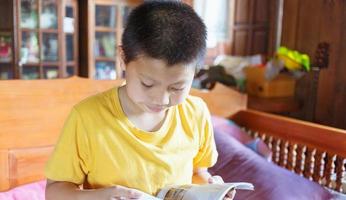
[165,30]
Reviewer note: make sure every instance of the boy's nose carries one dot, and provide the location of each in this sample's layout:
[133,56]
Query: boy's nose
[161,99]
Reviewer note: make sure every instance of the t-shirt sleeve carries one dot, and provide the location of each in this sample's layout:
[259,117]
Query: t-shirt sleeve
[207,154]
[69,161]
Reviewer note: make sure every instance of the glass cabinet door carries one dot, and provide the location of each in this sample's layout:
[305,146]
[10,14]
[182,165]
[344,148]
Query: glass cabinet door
[5,47]
[105,44]
[29,14]
[69,48]
[49,15]
[105,16]
[69,20]
[69,31]
[29,52]
[6,71]
[30,72]
[70,37]
[49,47]
[105,70]
[105,41]
[70,71]
[50,72]
[125,11]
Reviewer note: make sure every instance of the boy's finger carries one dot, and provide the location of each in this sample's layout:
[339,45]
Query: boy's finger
[231,193]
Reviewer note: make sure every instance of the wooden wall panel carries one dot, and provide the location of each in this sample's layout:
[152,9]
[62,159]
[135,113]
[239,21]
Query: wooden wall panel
[260,41]
[242,12]
[246,18]
[307,38]
[252,26]
[290,23]
[328,97]
[302,30]
[340,83]
[240,42]
[262,11]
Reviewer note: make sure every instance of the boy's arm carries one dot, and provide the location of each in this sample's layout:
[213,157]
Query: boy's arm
[65,190]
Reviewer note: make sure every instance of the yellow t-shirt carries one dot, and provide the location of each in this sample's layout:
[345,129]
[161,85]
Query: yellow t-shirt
[100,147]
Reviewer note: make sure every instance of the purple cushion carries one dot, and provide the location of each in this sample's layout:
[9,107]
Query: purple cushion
[229,127]
[238,163]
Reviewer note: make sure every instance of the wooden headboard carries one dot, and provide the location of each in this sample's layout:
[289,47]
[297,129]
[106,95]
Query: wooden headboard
[32,113]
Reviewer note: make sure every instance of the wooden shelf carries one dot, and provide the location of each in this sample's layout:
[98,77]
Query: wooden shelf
[51,64]
[31,65]
[29,29]
[49,31]
[105,29]
[107,59]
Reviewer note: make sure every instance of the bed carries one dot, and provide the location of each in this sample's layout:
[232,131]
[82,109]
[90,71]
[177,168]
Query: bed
[32,112]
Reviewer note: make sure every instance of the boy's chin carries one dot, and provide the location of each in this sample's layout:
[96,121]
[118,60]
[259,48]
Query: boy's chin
[157,110]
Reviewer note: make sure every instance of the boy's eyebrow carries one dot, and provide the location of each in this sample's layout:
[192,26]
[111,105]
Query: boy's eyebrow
[177,83]
[145,76]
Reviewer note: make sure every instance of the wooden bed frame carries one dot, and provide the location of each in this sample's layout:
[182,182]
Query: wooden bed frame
[32,114]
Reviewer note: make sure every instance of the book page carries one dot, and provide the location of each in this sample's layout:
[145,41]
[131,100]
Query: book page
[201,192]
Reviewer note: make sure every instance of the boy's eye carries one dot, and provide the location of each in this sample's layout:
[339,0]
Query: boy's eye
[177,89]
[146,85]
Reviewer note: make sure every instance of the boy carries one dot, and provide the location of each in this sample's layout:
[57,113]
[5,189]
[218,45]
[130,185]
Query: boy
[148,133]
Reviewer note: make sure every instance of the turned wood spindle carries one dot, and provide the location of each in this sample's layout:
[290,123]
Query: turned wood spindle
[319,166]
[300,159]
[330,167]
[292,154]
[340,173]
[269,141]
[276,150]
[283,153]
[309,163]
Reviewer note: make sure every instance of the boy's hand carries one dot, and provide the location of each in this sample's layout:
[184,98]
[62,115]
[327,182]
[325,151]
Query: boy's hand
[218,179]
[124,193]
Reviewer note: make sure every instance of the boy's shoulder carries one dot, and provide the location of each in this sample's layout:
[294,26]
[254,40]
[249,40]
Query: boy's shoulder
[93,102]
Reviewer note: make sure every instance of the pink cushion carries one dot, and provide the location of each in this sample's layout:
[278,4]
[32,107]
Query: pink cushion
[32,191]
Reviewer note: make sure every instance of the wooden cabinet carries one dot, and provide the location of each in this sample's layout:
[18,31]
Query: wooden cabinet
[44,39]
[101,35]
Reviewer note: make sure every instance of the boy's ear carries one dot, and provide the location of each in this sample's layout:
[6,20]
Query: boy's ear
[121,57]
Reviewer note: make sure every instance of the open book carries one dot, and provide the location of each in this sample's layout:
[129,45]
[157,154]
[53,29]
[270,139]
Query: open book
[198,192]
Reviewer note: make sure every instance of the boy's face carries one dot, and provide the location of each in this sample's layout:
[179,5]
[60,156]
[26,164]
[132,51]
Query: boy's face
[154,87]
